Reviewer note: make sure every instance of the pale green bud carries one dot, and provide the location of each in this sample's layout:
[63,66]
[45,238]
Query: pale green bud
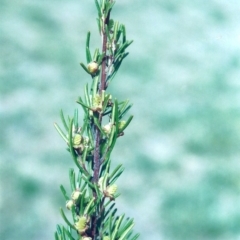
[92,67]
[121,125]
[106,238]
[69,204]
[77,139]
[75,195]
[87,238]
[97,102]
[111,190]
[81,224]
[107,128]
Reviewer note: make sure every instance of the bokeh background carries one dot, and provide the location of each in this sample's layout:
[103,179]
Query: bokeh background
[181,152]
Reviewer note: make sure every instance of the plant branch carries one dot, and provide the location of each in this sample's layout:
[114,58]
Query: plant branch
[91,145]
[97,133]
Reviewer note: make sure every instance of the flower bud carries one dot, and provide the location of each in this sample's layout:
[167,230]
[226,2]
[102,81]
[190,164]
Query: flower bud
[81,224]
[87,238]
[111,190]
[92,67]
[106,238]
[75,195]
[97,102]
[121,125]
[107,128]
[77,139]
[69,204]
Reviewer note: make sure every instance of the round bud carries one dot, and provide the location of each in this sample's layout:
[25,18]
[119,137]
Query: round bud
[81,224]
[111,190]
[107,128]
[121,125]
[75,195]
[106,238]
[92,67]
[87,238]
[97,102]
[69,204]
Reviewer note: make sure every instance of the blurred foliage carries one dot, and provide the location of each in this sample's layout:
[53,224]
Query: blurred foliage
[181,152]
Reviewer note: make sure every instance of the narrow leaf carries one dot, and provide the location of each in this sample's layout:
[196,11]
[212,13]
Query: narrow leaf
[65,219]
[63,120]
[75,119]
[127,123]
[88,55]
[126,232]
[61,133]
[64,192]
[88,40]
[72,179]
[98,8]
[85,68]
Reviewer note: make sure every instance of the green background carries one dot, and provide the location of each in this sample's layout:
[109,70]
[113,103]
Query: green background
[181,152]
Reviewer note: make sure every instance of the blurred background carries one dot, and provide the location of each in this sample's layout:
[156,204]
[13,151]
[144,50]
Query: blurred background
[181,152]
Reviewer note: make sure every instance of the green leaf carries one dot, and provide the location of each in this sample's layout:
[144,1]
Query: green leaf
[79,180]
[123,33]
[123,105]
[66,220]
[109,38]
[82,202]
[68,234]
[115,30]
[88,40]
[85,107]
[124,110]
[64,192]
[63,120]
[123,47]
[75,119]
[98,8]
[87,208]
[116,118]
[95,83]
[86,120]
[72,179]
[96,54]
[112,137]
[61,133]
[63,234]
[87,97]
[85,68]
[97,123]
[135,237]
[110,24]
[88,55]
[127,231]
[117,226]
[116,174]
[88,182]
[110,224]
[100,58]
[127,123]
[105,102]
[99,23]
[117,63]
[56,236]
[59,230]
